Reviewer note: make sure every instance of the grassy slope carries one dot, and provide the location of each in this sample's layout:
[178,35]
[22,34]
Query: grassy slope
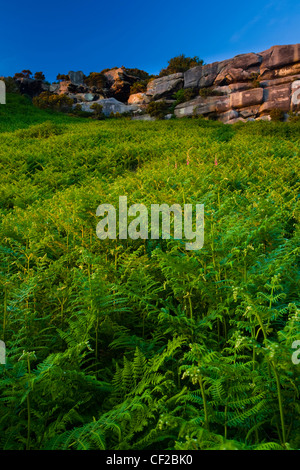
[237,297]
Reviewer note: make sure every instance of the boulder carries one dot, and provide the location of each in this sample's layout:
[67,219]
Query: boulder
[119,83]
[251,111]
[138,98]
[239,69]
[199,105]
[240,86]
[279,81]
[276,97]
[244,99]
[279,56]
[110,105]
[76,78]
[203,75]
[295,98]
[228,116]
[164,87]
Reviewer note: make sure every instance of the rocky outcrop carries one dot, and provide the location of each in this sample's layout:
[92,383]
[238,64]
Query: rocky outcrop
[110,105]
[119,83]
[164,87]
[251,85]
[247,87]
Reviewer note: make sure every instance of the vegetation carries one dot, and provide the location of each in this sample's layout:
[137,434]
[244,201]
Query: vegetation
[277,114]
[158,109]
[140,344]
[180,63]
[47,100]
[96,79]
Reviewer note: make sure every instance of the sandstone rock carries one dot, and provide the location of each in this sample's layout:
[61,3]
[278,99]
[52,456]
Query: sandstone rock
[165,86]
[279,81]
[251,111]
[54,87]
[199,105]
[110,105]
[138,98]
[228,116]
[279,56]
[63,87]
[119,83]
[246,98]
[203,75]
[239,69]
[295,98]
[276,97]
[264,118]
[239,119]
[240,86]
[76,78]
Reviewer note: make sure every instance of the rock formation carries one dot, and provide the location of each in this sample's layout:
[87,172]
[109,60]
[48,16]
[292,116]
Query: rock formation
[246,87]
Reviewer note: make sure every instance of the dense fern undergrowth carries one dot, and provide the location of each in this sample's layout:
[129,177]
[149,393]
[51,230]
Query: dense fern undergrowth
[140,344]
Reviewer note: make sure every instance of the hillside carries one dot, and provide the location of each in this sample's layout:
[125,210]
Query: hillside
[141,344]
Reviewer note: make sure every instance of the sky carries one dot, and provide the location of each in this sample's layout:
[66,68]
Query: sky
[57,37]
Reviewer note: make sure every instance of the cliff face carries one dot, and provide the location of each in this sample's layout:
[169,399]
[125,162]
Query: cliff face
[246,87]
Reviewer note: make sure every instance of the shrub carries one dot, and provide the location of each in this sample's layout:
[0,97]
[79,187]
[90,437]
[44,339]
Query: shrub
[39,76]
[277,115]
[96,79]
[180,63]
[98,111]
[139,87]
[293,117]
[181,96]
[208,91]
[158,109]
[62,77]
[255,80]
[47,100]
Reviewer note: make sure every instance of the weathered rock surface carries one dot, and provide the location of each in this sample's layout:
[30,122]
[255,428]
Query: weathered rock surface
[138,98]
[110,105]
[164,87]
[119,83]
[76,78]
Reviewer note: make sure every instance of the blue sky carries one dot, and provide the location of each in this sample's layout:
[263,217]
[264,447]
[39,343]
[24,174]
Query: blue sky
[90,35]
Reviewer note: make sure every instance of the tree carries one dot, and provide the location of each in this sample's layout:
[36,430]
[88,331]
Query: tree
[96,79]
[27,73]
[62,77]
[39,76]
[180,63]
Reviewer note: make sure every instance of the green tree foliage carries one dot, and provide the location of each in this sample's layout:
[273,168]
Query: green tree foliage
[47,100]
[96,79]
[39,76]
[180,63]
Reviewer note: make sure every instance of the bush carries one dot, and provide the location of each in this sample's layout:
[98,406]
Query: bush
[277,115]
[96,79]
[181,96]
[208,91]
[293,117]
[255,80]
[139,87]
[180,64]
[47,100]
[158,109]
[98,111]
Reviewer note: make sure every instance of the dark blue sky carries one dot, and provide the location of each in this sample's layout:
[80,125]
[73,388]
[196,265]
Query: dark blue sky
[90,35]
